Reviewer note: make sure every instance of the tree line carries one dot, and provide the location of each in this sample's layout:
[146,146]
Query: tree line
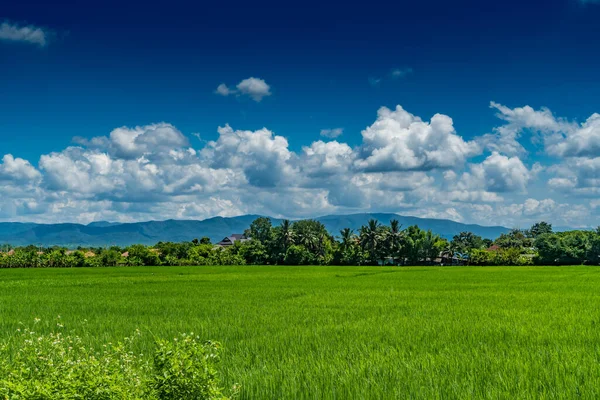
[307,242]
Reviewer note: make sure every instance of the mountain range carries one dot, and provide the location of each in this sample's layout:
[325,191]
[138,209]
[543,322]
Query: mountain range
[104,233]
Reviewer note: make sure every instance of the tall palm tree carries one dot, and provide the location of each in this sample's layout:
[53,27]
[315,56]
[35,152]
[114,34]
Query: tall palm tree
[286,235]
[347,236]
[430,246]
[395,238]
[371,238]
[310,240]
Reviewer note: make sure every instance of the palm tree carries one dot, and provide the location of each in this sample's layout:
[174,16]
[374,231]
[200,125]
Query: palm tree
[286,235]
[347,236]
[310,241]
[370,238]
[431,246]
[395,238]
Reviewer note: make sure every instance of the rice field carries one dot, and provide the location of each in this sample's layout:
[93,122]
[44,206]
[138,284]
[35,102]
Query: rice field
[342,332]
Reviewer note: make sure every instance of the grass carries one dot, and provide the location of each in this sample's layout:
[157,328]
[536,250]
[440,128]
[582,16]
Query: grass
[343,332]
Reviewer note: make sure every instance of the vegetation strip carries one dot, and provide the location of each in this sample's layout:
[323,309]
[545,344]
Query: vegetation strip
[307,242]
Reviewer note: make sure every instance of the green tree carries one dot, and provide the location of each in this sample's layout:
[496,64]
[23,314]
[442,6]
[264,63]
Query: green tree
[313,236]
[593,254]
[516,239]
[464,242]
[111,258]
[260,229]
[549,249]
[144,254]
[253,252]
[298,255]
[539,228]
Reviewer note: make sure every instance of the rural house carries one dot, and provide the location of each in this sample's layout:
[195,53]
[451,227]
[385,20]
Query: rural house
[230,240]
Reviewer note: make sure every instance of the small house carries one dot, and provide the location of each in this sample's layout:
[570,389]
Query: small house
[230,240]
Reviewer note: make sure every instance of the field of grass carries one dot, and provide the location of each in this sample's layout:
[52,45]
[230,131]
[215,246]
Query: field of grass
[343,332]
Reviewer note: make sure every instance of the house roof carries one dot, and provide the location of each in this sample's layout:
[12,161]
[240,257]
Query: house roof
[229,240]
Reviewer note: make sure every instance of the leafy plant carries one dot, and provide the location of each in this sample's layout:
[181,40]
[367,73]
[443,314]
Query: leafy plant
[62,367]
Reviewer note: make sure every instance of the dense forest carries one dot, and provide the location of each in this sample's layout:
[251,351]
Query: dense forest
[307,242]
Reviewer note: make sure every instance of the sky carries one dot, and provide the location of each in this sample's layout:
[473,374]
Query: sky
[475,111]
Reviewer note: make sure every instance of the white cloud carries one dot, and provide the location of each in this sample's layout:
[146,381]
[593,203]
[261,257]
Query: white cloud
[575,146]
[261,155]
[332,133]
[505,139]
[400,141]
[498,173]
[28,34]
[561,138]
[17,170]
[580,175]
[404,164]
[255,88]
[223,90]
[130,143]
[577,141]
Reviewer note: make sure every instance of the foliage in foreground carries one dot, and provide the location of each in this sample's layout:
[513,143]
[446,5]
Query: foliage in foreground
[61,367]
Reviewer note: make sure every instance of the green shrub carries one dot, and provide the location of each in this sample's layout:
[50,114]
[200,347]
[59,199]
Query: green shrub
[62,367]
[185,369]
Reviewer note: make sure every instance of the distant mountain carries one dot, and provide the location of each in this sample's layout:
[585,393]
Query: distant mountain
[443,227]
[103,224]
[123,234]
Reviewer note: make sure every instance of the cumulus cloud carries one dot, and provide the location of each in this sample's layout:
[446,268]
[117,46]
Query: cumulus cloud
[578,141]
[223,90]
[561,138]
[499,173]
[332,133]
[576,147]
[581,176]
[18,170]
[326,158]
[400,141]
[404,164]
[505,139]
[25,34]
[261,155]
[255,88]
[129,143]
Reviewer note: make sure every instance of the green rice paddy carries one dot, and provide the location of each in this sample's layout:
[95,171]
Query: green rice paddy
[342,332]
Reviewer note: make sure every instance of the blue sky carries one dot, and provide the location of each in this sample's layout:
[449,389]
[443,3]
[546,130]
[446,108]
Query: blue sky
[302,86]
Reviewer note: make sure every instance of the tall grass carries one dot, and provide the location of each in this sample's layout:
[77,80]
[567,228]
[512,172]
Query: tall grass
[340,333]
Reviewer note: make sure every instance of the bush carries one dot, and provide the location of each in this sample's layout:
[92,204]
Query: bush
[185,369]
[61,367]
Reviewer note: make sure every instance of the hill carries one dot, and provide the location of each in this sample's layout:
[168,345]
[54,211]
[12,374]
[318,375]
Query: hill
[150,232]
